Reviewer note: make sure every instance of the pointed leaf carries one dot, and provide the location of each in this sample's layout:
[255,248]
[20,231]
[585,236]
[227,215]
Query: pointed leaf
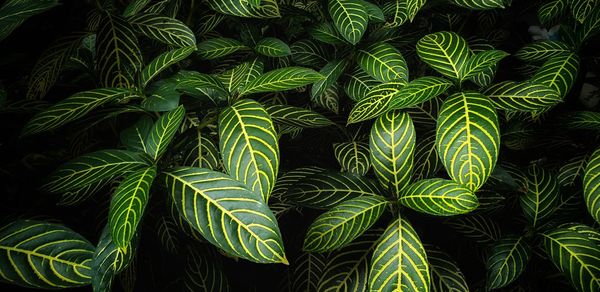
[383,62]
[542,50]
[445,273]
[375,103]
[528,96]
[219,47]
[308,268]
[439,197]
[162,62]
[542,196]
[297,116]
[350,18]
[477,227]
[164,29]
[281,80]
[243,8]
[559,73]
[331,71]
[418,91]
[272,47]
[591,185]
[446,52]
[479,4]
[481,62]
[353,157]
[163,131]
[507,261]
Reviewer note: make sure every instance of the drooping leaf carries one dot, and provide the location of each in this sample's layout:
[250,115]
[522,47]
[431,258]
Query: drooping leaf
[507,261]
[439,197]
[14,12]
[444,272]
[350,17]
[591,185]
[109,259]
[559,73]
[446,52]
[164,29]
[162,62]
[419,91]
[353,157]
[528,96]
[542,50]
[244,227]
[42,255]
[281,80]
[163,131]
[243,8]
[468,138]
[272,47]
[297,116]
[383,62]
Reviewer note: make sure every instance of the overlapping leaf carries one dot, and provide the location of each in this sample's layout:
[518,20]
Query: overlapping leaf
[542,195]
[163,131]
[162,62]
[439,197]
[383,62]
[528,96]
[272,47]
[204,271]
[308,269]
[446,52]
[297,116]
[480,4]
[550,11]
[243,8]
[353,157]
[591,185]
[481,62]
[583,120]
[477,227]
[219,47]
[331,71]
[359,84]
[308,53]
[427,162]
[542,50]
[507,261]
[444,272]
[559,73]
[163,29]
[109,259]
[350,17]
[375,103]
[418,91]
[281,80]
[14,12]
[201,152]
[290,178]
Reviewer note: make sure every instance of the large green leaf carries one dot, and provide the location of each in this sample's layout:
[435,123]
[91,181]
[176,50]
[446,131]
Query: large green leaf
[359,84]
[446,52]
[93,167]
[350,17]
[418,91]
[326,189]
[392,144]
[118,53]
[73,108]
[327,33]
[196,84]
[272,47]
[353,157]
[542,50]
[249,146]
[468,138]
[109,259]
[439,197]
[308,53]
[219,47]
[477,227]
[14,12]
[445,273]
[559,73]
[507,260]
[162,62]
[481,62]
[281,80]
[127,205]
[163,29]
[227,214]
[383,62]
[343,223]
[163,131]
[542,195]
[576,256]
[42,255]
[308,268]
[375,103]
[528,96]
[551,10]
[590,26]
[399,262]
[244,8]
[591,185]
[479,4]
[331,71]
[396,11]
[297,116]
[571,171]
[235,78]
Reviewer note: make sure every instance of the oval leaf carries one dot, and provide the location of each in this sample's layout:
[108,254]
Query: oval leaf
[439,197]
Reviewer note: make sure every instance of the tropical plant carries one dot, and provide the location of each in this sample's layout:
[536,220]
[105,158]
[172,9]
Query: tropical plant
[353,145]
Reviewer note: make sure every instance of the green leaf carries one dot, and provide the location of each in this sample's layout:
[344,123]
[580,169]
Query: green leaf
[481,62]
[350,18]
[392,144]
[468,138]
[308,268]
[439,197]
[135,6]
[297,116]
[479,4]
[576,256]
[196,84]
[359,84]
[444,272]
[345,222]
[204,271]
[427,162]
[134,137]
[550,11]
[309,53]
[80,195]
[581,9]
[353,157]
[542,50]
[72,108]
[446,52]
[383,62]
[109,259]
[507,261]
[281,80]
[249,146]
[542,195]
[243,8]
[527,96]
[243,224]
[272,47]
[418,91]
[14,12]
[127,205]
[162,62]
[571,170]
[117,52]
[164,29]
[399,262]
[162,132]
[591,185]
[161,96]
[201,152]
[290,178]
[324,190]
[327,33]
[559,73]
[375,103]
[219,47]
[375,13]
[234,79]
[479,228]
[590,26]
[331,71]
[93,167]
[586,120]
[42,255]
[396,12]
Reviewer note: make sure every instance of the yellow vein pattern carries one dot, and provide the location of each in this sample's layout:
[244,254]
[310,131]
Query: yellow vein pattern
[14,12]
[163,29]
[109,260]
[508,259]
[201,152]
[309,53]
[444,51]
[468,138]
[348,269]
[308,268]
[350,18]
[482,62]
[570,171]
[439,197]
[118,52]
[195,84]
[591,185]
[208,22]
[542,195]
[327,33]
[359,84]
[525,96]
[581,9]
[383,62]
[162,62]
[331,71]
[396,11]
[550,11]
[477,227]
[93,167]
[72,108]
[249,146]
[586,120]
[272,47]
[290,178]
[204,271]
[427,162]
[297,116]
[576,256]
[128,203]
[281,80]
[36,254]
[353,157]
[219,47]
[399,262]
[445,274]
[542,50]
[242,8]
[343,223]
[559,73]
[392,145]
[590,26]
[227,214]
[80,195]
[376,102]
[480,4]
[163,131]
[326,189]
[425,115]
[235,78]
[418,91]
[168,235]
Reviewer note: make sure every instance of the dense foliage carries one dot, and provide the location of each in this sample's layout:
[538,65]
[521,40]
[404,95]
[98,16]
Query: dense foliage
[351,145]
